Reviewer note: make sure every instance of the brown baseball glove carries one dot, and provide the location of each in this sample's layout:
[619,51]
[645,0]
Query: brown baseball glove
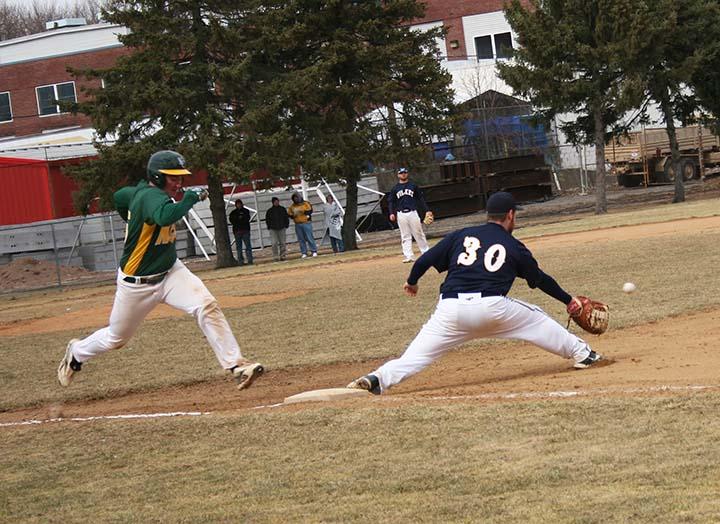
[591,315]
[429,218]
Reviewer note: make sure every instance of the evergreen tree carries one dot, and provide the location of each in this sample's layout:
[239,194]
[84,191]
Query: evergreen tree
[706,82]
[570,61]
[166,93]
[706,76]
[685,33]
[242,87]
[347,83]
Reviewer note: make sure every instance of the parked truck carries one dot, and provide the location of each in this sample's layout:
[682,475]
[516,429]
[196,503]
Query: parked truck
[644,157]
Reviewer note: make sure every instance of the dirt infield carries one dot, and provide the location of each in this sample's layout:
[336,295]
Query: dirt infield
[96,316]
[644,360]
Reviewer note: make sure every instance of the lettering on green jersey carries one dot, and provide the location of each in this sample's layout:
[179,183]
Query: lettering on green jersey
[166,236]
[127,226]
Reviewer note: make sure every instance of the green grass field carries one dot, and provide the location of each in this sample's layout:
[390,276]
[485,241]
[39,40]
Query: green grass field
[599,460]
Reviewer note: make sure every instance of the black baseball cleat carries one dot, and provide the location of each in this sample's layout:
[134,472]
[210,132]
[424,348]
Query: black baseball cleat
[368,383]
[591,359]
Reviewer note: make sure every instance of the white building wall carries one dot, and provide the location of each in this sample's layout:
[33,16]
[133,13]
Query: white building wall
[440,42]
[471,77]
[486,24]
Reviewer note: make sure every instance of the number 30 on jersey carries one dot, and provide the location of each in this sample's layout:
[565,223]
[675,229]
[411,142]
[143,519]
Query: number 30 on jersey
[494,256]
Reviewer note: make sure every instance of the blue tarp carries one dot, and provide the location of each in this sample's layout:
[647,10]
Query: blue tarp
[440,150]
[510,130]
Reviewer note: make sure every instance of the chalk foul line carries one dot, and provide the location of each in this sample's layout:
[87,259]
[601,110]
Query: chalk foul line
[563,394]
[107,417]
[483,396]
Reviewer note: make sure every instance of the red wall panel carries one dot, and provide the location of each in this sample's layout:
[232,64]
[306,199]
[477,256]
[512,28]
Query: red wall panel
[61,190]
[24,192]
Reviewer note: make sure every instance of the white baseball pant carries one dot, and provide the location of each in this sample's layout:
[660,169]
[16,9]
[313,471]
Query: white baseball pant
[411,227]
[470,316]
[180,289]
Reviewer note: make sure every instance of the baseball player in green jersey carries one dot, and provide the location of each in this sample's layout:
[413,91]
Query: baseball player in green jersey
[150,273]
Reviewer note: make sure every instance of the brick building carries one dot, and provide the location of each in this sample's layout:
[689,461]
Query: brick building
[469,23]
[33,74]
[477,35]
[33,69]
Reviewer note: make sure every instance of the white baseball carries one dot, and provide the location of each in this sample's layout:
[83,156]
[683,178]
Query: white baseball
[629,287]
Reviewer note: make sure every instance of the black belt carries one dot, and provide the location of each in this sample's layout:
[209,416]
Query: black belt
[154,279]
[406,210]
[454,294]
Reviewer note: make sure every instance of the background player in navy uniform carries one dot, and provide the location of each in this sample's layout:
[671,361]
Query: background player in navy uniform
[482,262]
[404,200]
[150,273]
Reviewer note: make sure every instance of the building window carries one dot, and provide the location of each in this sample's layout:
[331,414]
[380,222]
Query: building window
[48,96]
[489,47]
[5,109]
[503,45]
[483,48]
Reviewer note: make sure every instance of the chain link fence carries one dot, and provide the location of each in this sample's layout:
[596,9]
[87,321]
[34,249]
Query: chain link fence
[60,252]
[56,253]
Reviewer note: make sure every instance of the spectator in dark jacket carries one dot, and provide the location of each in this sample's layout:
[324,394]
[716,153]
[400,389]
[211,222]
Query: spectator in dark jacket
[240,220]
[277,221]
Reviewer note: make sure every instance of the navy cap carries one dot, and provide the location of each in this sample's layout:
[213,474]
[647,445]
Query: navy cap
[403,170]
[500,203]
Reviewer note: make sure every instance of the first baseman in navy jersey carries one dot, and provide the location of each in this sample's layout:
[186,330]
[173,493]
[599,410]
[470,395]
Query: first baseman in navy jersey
[481,263]
[404,200]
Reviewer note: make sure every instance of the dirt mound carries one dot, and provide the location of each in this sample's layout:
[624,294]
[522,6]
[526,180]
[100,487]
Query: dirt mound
[28,273]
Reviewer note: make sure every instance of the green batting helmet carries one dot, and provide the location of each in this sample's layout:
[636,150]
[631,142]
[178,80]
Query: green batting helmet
[165,163]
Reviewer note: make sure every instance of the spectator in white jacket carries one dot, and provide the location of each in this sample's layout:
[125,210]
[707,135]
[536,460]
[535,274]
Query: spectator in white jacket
[333,224]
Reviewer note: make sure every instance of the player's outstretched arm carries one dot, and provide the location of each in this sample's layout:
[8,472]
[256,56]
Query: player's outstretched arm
[168,212]
[549,286]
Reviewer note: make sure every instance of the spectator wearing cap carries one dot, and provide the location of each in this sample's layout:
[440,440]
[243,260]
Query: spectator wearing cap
[405,201]
[277,221]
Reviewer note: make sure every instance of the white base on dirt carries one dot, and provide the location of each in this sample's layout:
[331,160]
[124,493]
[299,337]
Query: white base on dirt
[326,395]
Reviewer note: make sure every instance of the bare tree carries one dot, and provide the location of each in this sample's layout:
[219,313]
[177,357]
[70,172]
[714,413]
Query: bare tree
[90,10]
[10,16]
[20,19]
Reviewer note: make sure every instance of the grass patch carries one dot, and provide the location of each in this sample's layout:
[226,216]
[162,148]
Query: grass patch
[661,213]
[613,460]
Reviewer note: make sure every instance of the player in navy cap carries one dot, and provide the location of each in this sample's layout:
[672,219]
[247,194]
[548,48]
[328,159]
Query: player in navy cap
[482,262]
[500,203]
[405,201]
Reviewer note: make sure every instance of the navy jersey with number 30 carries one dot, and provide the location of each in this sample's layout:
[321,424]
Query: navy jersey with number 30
[481,259]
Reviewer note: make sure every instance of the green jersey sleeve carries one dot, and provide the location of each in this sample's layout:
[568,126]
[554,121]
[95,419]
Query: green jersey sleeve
[164,212]
[122,199]
[168,212]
